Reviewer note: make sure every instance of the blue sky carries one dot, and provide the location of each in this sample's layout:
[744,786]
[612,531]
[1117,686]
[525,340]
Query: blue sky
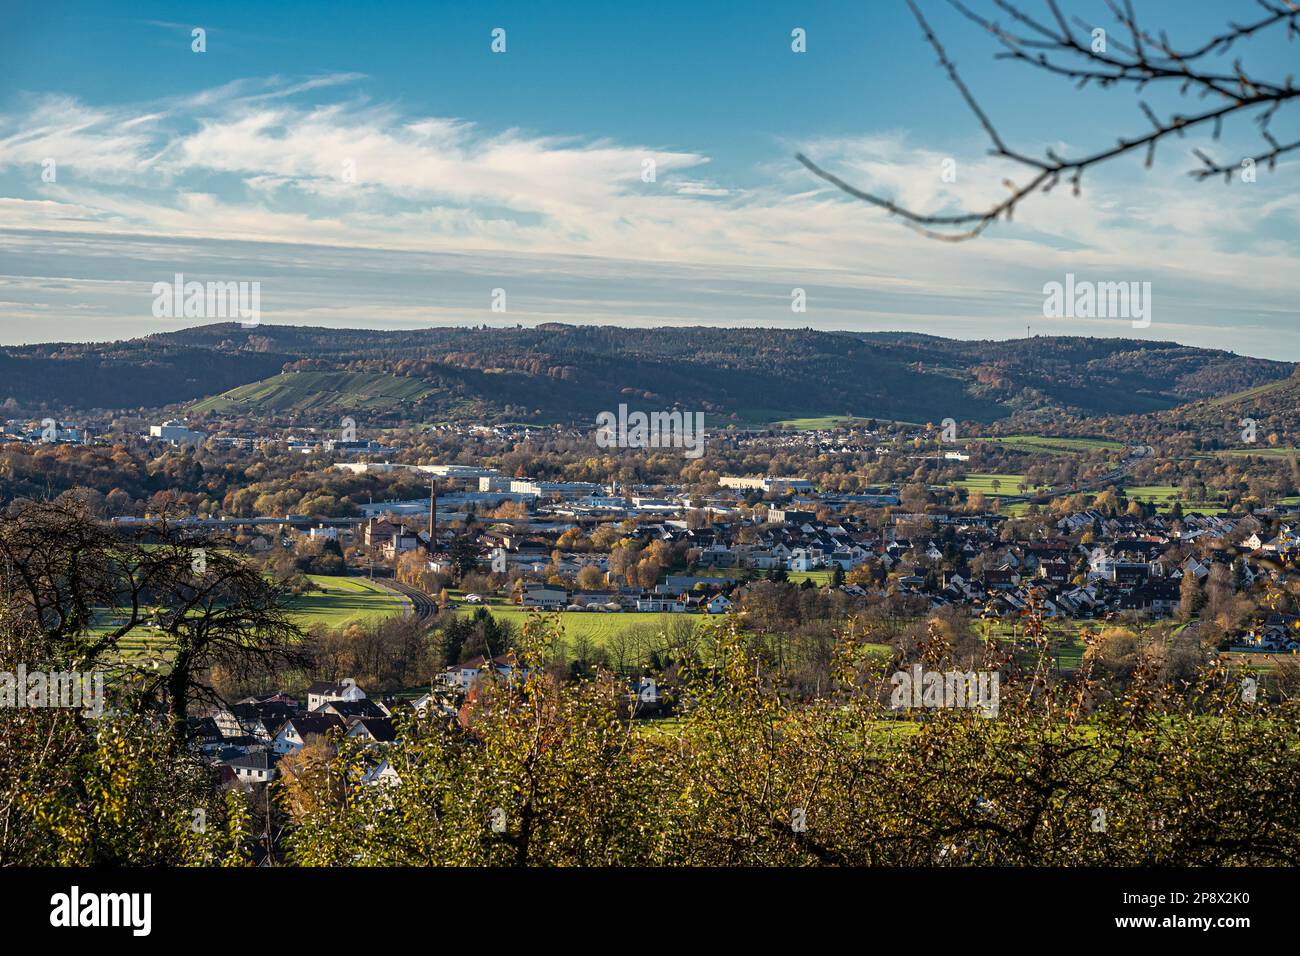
[522,171]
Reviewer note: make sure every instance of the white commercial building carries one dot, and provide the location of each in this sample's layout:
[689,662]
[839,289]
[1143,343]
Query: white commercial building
[176,432]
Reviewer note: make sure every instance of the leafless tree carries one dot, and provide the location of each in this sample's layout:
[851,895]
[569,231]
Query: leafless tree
[1066,48]
[84,587]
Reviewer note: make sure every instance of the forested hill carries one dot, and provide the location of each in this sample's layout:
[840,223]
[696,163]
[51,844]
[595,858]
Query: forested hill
[558,372]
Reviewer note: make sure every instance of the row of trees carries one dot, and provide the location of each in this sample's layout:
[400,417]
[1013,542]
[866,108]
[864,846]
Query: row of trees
[549,773]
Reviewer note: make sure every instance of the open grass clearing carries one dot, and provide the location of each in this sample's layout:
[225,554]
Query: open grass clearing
[345,600]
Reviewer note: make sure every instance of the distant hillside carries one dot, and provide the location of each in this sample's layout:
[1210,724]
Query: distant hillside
[139,373]
[1274,407]
[314,390]
[1097,376]
[560,372]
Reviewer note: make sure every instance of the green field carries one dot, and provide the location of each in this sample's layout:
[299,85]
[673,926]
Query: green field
[600,628]
[1047,443]
[1261,452]
[1007,484]
[1066,645]
[344,600]
[341,601]
[834,421]
[594,625]
[814,424]
[142,644]
[820,577]
[1163,497]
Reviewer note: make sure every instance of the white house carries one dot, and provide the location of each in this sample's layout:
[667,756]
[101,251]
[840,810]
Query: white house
[718,604]
[427,703]
[322,692]
[255,767]
[463,675]
[374,730]
[250,720]
[804,559]
[298,730]
[849,558]
[400,543]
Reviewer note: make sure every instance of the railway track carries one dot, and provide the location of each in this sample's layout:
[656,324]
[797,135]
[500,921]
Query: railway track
[424,606]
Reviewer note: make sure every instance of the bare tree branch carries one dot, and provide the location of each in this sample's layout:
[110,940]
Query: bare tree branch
[1058,49]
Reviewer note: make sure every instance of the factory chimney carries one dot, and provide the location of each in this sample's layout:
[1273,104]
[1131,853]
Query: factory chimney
[433,515]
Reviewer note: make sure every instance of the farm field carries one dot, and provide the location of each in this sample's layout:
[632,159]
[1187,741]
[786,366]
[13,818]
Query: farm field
[1006,484]
[597,627]
[821,577]
[1047,443]
[344,600]
[142,645]
[601,628]
[1261,452]
[833,421]
[812,424]
[1066,645]
[1164,496]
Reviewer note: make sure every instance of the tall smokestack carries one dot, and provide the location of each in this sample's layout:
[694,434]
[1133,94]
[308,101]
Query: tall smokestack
[433,515]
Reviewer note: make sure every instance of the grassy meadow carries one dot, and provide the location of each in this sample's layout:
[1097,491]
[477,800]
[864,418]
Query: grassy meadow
[1039,444]
[345,600]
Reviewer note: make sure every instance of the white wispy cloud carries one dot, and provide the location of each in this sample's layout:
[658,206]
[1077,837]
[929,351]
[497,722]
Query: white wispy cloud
[311,164]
